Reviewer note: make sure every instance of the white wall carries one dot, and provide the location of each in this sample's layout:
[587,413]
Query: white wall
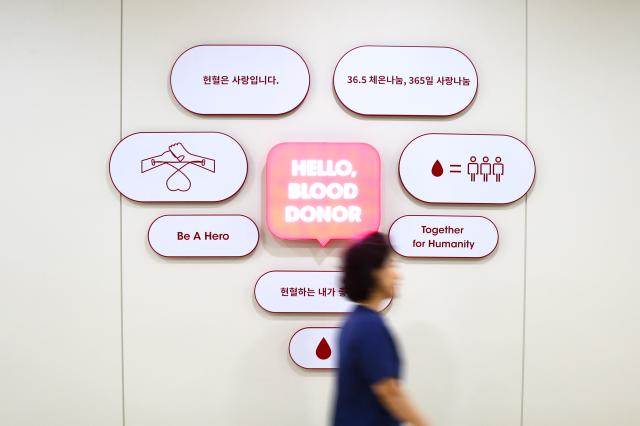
[60,228]
[582,335]
[196,348]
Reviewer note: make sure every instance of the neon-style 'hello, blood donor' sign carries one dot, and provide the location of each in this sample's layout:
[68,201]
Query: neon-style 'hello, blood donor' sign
[323,191]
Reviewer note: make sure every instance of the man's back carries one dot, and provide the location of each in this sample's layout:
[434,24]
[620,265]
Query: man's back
[367,356]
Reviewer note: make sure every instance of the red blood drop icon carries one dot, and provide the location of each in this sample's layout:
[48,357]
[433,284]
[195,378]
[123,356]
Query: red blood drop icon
[323,351]
[437,170]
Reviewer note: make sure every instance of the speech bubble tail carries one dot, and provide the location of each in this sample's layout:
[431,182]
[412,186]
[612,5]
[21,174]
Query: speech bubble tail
[324,242]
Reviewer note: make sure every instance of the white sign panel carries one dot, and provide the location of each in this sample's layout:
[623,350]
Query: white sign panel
[315,348]
[203,235]
[178,167]
[240,80]
[467,169]
[304,292]
[443,236]
[405,80]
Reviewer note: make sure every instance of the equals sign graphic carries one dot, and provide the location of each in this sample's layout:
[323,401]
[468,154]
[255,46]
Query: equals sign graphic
[455,168]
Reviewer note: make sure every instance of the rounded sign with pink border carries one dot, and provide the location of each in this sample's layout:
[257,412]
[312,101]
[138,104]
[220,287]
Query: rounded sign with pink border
[304,292]
[443,236]
[203,235]
[240,80]
[467,168]
[315,348]
[178,167]
[405,80]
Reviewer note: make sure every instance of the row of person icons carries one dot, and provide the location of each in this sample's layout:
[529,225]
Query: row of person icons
[475,169]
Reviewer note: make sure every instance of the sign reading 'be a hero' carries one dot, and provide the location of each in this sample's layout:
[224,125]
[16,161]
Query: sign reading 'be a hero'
[322,191]
[203,235]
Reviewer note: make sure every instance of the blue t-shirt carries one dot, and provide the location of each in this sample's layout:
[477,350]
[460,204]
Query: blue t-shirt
[367,355]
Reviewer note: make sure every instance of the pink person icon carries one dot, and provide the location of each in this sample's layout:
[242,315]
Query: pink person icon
[485,168]
[472,168]
[498,169]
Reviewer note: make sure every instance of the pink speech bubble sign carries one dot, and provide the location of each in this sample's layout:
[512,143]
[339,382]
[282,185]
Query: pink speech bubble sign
[323,190]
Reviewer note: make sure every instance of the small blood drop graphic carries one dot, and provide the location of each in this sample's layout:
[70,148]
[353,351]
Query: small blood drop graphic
[437,170]
[323,351]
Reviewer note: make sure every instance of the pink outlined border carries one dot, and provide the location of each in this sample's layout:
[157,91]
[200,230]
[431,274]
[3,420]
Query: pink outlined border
[303,312]
[246,160]
[291,356]
[446,257]
[535,170]
[406,115]
[268,198]
[202,257]
[241,115]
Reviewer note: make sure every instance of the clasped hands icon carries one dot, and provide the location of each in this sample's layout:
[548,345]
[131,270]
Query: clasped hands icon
[177,157]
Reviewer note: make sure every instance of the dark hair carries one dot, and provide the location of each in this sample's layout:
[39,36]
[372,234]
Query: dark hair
[359,262]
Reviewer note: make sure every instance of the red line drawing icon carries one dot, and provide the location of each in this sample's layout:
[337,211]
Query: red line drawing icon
[177,157]
[323,351]
[472,168]
[475,169]
[486,169]
[498,169]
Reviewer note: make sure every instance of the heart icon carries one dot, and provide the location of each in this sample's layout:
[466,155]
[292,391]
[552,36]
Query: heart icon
[178,182]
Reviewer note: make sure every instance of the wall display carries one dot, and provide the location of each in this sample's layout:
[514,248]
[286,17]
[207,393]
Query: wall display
[302,292]
[467,168]
[178,167]
[443,236]
[315,348]
[405,80]
[322,190]
[203,235]
[240,80]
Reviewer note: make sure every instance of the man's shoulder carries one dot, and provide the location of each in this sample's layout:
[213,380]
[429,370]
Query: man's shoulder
[364,318]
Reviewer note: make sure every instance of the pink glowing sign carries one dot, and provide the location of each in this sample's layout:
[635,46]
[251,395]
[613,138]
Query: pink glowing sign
[323,191]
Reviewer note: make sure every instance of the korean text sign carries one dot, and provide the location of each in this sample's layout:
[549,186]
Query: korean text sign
[322,190]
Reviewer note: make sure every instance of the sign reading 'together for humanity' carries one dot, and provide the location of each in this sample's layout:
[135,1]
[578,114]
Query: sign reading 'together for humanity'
[443,236]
